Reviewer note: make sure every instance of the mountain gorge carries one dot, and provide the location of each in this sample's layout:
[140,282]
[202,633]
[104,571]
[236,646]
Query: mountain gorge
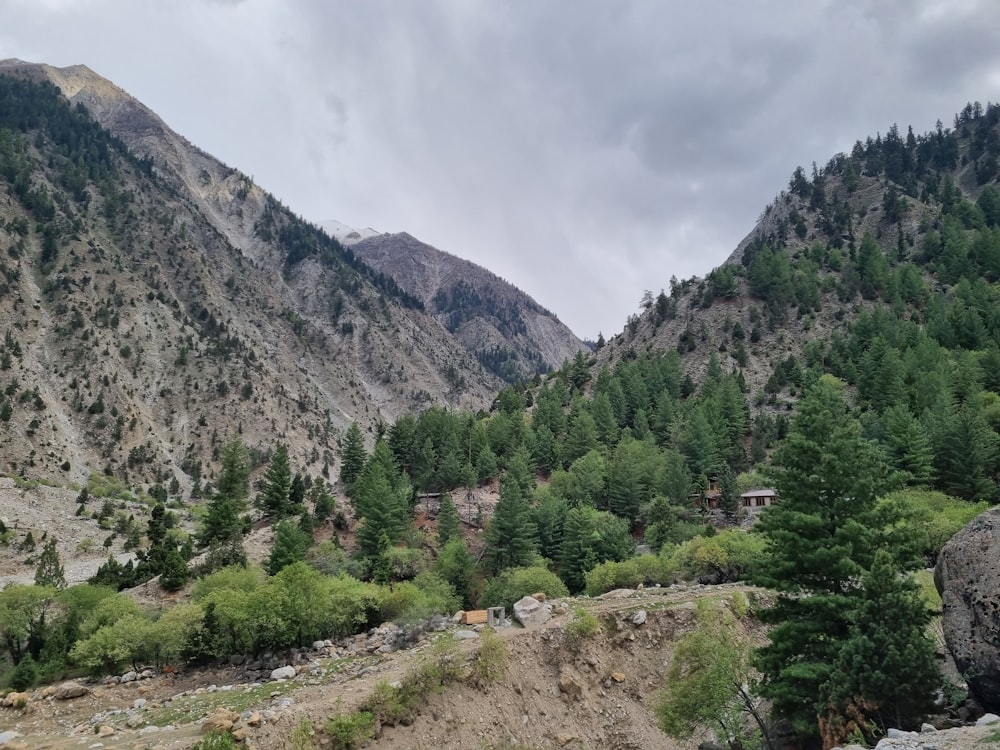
[169,328]
[157,301]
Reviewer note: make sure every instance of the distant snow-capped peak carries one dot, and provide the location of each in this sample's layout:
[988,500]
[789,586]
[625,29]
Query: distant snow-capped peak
[344,234]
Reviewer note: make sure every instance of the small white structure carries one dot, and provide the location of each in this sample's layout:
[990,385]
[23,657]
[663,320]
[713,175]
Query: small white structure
[756,500]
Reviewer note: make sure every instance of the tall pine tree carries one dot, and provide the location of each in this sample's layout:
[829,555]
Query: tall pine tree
[822,539]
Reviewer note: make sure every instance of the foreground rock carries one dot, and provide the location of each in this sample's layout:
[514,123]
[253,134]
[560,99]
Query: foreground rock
[968,578]
[530,612]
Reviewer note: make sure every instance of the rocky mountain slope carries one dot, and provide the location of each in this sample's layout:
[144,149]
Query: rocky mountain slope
[804,273]
[507,331]
[156,301]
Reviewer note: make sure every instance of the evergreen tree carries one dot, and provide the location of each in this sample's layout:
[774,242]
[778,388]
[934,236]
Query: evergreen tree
[448,523]
[577,554]
[297,493]
[49,571]
[277,485]
[455,565]
[581,436]
[322,501]
[822,538]
[174,572]
[352,455]
[510,535]
[224,521]
[289,546]
[907,445]
[886,672]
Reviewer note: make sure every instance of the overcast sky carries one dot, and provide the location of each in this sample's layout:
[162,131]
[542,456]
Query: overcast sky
[584,150]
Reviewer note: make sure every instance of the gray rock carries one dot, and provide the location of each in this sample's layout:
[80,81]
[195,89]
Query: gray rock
[129,676]
[531,612]
[987,719]
[968,579]
[139,703]
[926,728]
[283,673]
[466,635]
[8,736]
[639,618]
[69,690]
[898,734]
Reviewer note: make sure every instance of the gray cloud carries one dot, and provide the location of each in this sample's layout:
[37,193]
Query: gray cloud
[583,150]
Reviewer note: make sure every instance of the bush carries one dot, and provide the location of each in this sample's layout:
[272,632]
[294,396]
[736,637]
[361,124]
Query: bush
[350,730]
[216,740]
[23,675]
[427,595]
[518,583]
[490,664]
[583,625]
[721,558]
[628,574]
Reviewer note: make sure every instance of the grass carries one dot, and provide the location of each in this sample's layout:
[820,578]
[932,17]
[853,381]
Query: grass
[490,664]
[193,707]
[584,625]
[993,738]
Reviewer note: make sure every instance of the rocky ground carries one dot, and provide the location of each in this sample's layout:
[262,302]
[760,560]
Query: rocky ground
[598,694]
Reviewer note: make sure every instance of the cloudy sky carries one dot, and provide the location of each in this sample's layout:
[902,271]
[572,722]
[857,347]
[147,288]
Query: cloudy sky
[585,150]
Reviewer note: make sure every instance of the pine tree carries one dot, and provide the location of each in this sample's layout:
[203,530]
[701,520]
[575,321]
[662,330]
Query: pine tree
[456,566]
[277,485]
[174,572]
[908,447]
[448,523]
[510,536]
[49,571]
[289,546]
[352,455]
[822,538]
[577,554]
[224,521]
[887,670]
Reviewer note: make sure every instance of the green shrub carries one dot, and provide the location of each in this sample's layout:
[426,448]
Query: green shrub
[518,583]
[348,731]
[492,659]
[725,557]
[584,625]
[427,595]
[23,675]
[628,574]
[216,740]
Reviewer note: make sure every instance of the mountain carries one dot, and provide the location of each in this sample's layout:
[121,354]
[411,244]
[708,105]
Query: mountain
[904,225]
[156,301]
[510,334]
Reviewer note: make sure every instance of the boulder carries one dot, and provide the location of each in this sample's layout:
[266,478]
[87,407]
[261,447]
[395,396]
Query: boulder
[283,673]
[570,687]
[221,720]
[968,579]
[530,612]
[69,690]
[14,700]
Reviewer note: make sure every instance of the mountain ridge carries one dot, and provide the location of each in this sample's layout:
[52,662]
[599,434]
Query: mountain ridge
[509,332]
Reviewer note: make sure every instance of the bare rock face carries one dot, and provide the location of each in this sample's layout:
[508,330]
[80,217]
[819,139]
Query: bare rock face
[968,578]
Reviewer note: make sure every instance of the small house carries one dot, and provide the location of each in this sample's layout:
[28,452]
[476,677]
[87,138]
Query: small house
[756,500]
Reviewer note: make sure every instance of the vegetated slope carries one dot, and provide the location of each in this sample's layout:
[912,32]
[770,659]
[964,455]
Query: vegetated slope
[884,252]
[508,332]
[156,301]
